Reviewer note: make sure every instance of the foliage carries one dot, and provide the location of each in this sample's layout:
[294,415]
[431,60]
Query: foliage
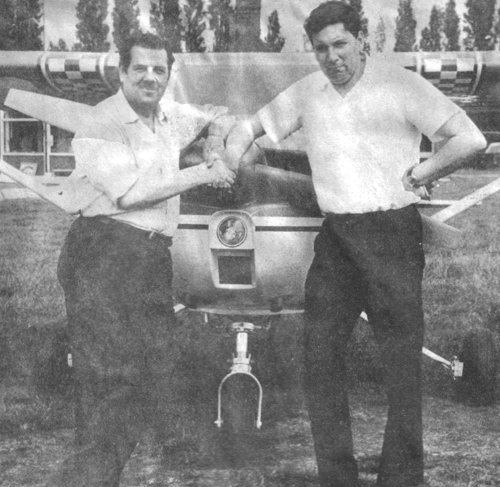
[479,29]
[164,18]
[125,20]
[357,5]
[380,36]
[431,36]
[92,30]
[425,40]
[220,12]
[274,40]
[405,27]
[193,24]
[496,27]
[60,46]
[451,27]
[20,28]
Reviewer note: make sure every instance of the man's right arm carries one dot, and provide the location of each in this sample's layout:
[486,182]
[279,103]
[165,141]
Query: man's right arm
[111,167]
[150,188]
[278,119]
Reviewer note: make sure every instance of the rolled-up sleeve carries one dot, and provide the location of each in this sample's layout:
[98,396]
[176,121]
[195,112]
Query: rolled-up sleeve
[426,107]
[105,160]
[281,116]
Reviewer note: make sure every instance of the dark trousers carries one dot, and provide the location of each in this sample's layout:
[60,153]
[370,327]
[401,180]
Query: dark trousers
[372,262]
[117,285]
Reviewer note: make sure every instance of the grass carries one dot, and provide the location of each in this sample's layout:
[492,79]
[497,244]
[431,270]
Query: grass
[461,290]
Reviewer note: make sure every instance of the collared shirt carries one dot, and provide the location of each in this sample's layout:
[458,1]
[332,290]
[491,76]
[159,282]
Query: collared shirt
[113,153]
[360,145]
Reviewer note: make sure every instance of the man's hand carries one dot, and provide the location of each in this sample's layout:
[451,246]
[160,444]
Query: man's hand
[410,184]
[221,176]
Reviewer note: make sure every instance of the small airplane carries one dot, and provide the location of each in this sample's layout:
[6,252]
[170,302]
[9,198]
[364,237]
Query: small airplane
[245,251]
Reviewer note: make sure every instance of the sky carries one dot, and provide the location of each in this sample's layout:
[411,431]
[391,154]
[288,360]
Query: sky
[60,19]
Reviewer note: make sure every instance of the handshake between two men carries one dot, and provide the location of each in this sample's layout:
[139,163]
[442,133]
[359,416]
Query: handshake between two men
[224,161]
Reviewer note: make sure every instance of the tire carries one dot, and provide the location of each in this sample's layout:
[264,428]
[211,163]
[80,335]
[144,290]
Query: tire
[236,439]
[477,386]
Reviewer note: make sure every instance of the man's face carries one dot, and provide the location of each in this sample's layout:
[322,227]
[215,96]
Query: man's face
[145,80]
[338,53]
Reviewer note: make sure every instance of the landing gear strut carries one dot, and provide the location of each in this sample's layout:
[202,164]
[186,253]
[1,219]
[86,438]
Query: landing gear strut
[241,365]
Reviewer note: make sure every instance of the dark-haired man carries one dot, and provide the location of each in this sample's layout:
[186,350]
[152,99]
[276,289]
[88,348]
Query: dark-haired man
[115,266]
[363,120]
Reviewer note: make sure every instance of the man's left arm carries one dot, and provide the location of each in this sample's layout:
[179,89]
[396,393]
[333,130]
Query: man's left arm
[461,139]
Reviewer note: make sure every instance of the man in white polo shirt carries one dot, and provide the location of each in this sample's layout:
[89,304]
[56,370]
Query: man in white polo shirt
[363,121]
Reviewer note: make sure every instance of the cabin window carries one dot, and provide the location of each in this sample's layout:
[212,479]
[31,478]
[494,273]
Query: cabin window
[60,140]
[22,135]
[34,146]
[60,159]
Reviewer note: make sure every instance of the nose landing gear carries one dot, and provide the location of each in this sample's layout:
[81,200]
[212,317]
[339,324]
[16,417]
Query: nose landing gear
[241,366]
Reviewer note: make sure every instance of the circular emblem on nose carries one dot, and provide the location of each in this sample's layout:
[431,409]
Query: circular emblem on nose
[232,231]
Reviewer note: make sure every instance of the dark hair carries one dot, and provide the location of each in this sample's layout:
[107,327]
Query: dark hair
[146,40]
[332,12]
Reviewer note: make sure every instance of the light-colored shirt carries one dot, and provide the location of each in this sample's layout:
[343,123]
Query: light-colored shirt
[118,148]
[360,145]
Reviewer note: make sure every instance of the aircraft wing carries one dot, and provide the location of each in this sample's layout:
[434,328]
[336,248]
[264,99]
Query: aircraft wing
[244,82]
[71,81]
[65,114]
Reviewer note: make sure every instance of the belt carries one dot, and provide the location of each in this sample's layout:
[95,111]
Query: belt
[148,234]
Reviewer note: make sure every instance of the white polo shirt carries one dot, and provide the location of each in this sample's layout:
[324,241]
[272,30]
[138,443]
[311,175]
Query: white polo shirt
[360,145]
[112,153]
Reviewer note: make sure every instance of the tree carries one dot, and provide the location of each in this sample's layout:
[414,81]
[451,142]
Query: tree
[194,21]
[431,36]
[496,28]
[20,27]
[451,27]
[164,18]
[479,29]
[91,30]
[125,20]
[357,5]
[220,11]
[436,28]
[425,40]
[274,40]
[60,46]
[405,27]
[380,36]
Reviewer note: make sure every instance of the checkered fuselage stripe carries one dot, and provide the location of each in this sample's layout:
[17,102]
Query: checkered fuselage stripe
[452,76]
[77,76]
[94,75]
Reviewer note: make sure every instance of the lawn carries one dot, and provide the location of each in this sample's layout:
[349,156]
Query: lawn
[461,290]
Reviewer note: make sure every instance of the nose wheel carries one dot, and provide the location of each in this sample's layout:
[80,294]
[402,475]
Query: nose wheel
[240,368]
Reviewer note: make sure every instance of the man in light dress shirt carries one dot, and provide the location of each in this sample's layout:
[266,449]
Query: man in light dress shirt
[115,266]
[362,121]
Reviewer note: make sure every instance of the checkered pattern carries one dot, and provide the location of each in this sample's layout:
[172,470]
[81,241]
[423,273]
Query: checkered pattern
[82,76]
[453,75]
[91,77]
